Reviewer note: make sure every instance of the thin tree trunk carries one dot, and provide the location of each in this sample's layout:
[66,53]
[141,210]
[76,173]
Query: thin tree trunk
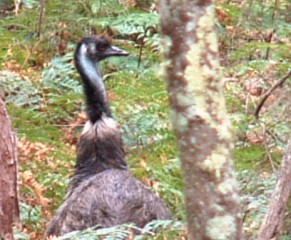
[272,224]
[199,119]
[9,209]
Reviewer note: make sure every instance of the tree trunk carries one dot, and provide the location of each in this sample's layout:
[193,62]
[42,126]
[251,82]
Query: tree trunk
[199,119]
[9,209]
[272,224]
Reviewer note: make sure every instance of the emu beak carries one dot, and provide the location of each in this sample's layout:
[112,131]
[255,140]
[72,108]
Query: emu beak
[115,51]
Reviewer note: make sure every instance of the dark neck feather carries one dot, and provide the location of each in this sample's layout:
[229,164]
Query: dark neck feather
[94,89]
[98,153]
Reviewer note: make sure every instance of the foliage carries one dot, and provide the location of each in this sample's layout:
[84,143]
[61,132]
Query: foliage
[126,230]
[61,88]
[30,215]
[171,186]
[60,76]
[255,191]
[141,124]
[5,3]
[20,235]
[135,23]
[29,3]
[20,92]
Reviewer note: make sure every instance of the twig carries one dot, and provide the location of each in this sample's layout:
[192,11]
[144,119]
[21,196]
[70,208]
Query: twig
[269,92]
[140,53]
[274,136]
[268,154]
[143,44]
[30,52]
[41,17]
[269,40]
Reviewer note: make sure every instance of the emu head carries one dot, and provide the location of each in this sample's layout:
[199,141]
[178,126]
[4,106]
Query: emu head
[99,48]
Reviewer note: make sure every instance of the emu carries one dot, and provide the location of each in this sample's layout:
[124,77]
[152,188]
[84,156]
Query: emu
[102,192]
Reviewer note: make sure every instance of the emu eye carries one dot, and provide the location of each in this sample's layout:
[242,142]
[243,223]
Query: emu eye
[101,47]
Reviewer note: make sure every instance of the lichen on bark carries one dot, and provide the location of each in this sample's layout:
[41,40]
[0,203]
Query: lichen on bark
[199,118]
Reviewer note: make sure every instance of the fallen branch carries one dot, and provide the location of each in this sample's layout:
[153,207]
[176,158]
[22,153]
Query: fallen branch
[269,92]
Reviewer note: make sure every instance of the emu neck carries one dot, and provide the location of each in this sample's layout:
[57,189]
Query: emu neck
[94,89]
[100,148]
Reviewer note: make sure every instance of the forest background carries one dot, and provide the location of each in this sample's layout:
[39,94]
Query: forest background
[44,99]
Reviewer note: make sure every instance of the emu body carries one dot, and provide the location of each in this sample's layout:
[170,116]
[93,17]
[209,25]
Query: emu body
[102,191]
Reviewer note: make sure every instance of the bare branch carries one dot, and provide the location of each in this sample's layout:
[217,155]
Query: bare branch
[269,92]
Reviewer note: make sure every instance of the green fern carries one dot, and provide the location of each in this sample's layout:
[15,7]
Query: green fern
[60,77]
[135,23]
[18,91]
[171,186]
[126,230]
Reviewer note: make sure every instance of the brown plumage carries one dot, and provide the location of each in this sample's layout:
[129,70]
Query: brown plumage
[102,190]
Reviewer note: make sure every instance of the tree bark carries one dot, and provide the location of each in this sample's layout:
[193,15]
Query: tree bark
[199,118]
[9,209]
[272,224]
